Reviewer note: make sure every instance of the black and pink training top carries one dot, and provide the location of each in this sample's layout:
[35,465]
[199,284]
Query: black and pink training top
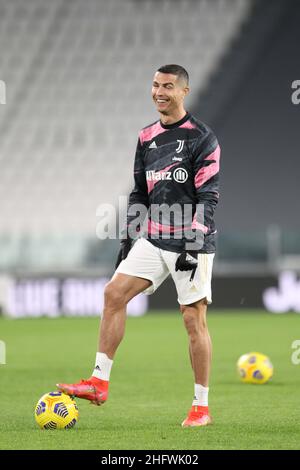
[177,164]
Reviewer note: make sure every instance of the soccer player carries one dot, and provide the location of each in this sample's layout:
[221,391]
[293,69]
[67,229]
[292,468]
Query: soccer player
[177,167]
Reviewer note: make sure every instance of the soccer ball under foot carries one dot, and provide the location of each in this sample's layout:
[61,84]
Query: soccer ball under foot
[254,368]
[55,410]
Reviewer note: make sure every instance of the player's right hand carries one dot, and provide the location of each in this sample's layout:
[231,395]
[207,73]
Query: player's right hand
[187,261]
[124,250]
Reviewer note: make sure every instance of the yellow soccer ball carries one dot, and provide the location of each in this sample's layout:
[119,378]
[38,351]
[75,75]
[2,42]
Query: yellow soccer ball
[56,410]
[255,368]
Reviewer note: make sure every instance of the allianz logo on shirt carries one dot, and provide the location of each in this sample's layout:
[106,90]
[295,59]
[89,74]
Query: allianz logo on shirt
[180,175]
[152,175]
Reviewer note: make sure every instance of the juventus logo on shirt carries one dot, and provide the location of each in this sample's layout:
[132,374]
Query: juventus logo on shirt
[180,146]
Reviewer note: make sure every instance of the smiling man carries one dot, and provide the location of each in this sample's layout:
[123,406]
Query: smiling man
[176,175]
[168,93]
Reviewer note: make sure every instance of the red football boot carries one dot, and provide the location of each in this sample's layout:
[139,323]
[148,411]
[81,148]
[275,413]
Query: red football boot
[93,389]
[198,416]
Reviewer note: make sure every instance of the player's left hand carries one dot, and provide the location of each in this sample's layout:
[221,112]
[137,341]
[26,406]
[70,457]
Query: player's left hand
[187,261]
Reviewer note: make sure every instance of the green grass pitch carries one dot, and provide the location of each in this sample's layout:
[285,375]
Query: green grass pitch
[152,384]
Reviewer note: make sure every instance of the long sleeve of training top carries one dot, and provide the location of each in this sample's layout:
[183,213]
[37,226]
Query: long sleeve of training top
[206,161]
[138,202]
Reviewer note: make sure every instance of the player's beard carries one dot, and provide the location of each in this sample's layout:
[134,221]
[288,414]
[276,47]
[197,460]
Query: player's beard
[165,112]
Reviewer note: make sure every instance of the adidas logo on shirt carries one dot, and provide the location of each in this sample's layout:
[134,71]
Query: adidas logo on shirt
[153,145]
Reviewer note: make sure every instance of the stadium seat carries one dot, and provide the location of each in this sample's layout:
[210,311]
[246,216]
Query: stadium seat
[79,76]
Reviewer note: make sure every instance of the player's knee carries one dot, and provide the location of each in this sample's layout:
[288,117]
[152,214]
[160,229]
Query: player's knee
[190,322]
[195,324]
[114,298]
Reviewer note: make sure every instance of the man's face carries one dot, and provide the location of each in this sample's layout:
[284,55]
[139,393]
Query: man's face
[168,92]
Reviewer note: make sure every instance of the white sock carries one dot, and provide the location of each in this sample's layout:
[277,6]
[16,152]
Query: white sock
[201,395]
[103,366]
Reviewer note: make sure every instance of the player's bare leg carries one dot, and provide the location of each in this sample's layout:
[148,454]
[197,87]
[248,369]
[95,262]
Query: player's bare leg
[191,355]
[200,348]
[118,292]
[200,351]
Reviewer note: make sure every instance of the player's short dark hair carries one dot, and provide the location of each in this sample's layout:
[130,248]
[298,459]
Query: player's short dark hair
[177,70]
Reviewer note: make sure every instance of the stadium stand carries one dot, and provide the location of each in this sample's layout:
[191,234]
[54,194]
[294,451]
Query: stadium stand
[249,102]
[78,77]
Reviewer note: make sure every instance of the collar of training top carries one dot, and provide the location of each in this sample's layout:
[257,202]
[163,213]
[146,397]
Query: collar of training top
[176,124]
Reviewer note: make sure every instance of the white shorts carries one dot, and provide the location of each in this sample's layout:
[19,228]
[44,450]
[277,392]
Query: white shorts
[149,262]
